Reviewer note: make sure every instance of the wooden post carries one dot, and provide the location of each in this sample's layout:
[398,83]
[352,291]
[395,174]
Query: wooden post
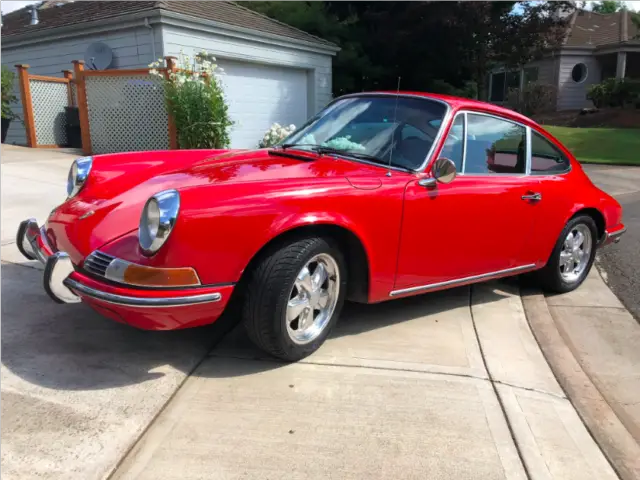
[173,131]
[27,105]
[83,109]
[68,74]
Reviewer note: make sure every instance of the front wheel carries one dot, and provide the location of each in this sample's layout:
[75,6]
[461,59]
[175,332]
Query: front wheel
[294,298]
[572,256]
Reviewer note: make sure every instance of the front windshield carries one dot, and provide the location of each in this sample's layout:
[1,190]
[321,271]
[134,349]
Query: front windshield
[375,128]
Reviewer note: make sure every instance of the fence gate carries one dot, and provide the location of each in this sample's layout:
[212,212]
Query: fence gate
[43,101]
[126,111]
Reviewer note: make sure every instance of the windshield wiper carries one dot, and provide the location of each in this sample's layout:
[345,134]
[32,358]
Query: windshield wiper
[284,146]
[347,153]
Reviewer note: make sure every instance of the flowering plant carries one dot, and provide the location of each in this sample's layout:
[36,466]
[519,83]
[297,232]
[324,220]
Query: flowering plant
[276,134]
[195,99]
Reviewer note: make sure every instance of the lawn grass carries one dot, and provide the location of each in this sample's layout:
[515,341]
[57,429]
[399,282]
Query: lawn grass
[616,146]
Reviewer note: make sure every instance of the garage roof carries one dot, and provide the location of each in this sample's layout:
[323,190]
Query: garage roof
[74,13]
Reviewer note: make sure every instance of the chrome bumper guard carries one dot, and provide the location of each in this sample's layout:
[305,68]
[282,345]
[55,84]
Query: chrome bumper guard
[58,268]
[609,238]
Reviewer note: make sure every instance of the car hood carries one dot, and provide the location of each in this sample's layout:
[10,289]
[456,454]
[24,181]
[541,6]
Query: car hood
[110,204]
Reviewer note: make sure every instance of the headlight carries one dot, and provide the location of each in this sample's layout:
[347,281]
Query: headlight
[157,220]
[78,175]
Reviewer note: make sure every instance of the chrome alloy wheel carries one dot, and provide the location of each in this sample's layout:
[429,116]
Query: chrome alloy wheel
[575,253]
[313,299]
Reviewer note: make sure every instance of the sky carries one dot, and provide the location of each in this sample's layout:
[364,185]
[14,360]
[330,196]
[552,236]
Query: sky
[10,6]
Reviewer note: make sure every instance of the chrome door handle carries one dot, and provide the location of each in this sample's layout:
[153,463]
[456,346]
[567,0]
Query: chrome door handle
[532,197]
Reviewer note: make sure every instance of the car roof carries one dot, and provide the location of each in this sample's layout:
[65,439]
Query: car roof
[457,103]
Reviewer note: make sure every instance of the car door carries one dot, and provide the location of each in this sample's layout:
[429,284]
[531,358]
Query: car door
[480,223]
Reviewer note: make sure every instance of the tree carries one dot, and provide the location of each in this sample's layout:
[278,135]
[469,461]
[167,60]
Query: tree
[607,6]
[432,46]
[494,33]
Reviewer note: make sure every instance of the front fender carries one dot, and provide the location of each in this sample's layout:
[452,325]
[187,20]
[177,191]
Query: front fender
[222,227]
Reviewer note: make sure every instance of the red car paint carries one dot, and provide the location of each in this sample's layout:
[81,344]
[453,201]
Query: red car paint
[232,204]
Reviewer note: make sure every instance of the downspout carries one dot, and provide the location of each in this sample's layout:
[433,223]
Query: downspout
[153,39]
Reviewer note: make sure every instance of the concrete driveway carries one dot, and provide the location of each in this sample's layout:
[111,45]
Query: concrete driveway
[446,385]
[77,389]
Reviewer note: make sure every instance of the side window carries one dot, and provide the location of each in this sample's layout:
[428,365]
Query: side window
[546,159]
[452,148]
[494,146]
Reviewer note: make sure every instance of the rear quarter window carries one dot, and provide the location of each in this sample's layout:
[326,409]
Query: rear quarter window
[546,158]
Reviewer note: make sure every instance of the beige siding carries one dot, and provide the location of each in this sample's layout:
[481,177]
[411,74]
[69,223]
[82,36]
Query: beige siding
[546,71]
[572,95]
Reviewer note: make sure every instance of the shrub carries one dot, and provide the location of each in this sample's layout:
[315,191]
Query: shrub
[8,97]
[275,135]
[195,98]
[470,89]
[615,93]
[534,98]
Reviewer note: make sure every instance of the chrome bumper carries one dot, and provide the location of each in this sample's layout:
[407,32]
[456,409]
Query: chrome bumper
[57,266]
[60,287]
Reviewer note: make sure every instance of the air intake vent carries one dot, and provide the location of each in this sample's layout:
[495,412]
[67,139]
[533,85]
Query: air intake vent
[97,263]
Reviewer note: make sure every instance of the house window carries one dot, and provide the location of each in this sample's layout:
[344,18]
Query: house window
[502,82]
[579,73]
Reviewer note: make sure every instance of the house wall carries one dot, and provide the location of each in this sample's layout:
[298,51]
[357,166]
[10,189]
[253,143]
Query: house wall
[317,65]
[132,48]
[546,70]
[572,95]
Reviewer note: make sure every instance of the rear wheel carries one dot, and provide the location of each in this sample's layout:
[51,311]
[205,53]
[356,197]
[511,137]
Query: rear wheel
[294,298]
[572,256]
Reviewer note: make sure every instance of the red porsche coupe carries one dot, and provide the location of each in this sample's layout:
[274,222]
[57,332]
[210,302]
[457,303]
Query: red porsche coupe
[378,196]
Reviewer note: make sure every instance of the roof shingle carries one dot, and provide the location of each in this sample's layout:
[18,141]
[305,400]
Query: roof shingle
[591,29]
[229,13]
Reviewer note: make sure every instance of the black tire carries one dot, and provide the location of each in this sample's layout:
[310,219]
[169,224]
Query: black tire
[267,295]
[549,276]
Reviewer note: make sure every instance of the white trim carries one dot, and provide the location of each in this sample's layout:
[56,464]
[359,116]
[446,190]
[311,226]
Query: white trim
[199,24]
[163,17]
[106,25]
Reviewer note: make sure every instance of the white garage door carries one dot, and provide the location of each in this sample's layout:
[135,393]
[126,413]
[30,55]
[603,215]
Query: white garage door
[259,96]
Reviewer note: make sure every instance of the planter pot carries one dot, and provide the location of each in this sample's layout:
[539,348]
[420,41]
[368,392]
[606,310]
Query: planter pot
[74,138]
[5,128]
[73,116]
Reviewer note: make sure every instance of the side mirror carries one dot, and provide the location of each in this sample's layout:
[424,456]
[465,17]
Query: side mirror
[444,170]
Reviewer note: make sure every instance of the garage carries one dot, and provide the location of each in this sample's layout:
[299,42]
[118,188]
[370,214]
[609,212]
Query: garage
[276,94]
[274,73]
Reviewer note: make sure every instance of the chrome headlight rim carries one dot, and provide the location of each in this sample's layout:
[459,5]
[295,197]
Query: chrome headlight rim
[157,220]
[78,174]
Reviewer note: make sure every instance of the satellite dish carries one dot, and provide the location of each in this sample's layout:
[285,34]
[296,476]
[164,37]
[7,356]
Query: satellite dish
[98,56]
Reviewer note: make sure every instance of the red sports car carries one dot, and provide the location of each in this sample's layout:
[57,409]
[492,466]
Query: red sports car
[378,196]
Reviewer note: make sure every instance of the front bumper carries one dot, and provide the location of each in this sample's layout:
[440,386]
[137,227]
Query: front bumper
[144,307]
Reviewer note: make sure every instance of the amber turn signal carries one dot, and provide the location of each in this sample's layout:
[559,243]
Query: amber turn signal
[160,277]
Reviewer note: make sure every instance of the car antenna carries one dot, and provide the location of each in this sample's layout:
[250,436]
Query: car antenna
[395,115]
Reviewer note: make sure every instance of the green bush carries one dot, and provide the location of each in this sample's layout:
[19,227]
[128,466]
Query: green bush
[470,89]
[196,100]
[8,97]
[534,98]
[615,93]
